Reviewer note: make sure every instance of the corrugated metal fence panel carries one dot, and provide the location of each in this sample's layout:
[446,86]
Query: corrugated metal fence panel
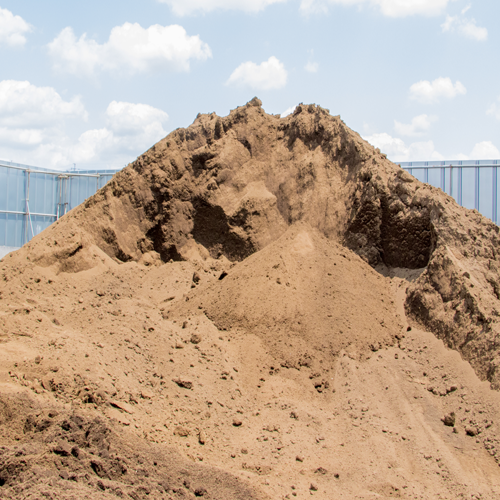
[12,199]
[43,191]
[13,196]
[12,230]
[473,183]
[31,199]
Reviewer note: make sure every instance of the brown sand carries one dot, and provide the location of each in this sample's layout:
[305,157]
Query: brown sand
[253,309]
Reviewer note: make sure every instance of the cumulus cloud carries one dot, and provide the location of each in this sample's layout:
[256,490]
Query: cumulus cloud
[268,75]
[33,129]
[494,109]
[30,115]
[25,105]
[398,151]
[138,126]
[130,130]
[485,150]
[390,8]
[186,7]
[465,26]
[130,48]
[419,126]
[288,111]
[311,67]
[427,92]
[125,118]
[12,28]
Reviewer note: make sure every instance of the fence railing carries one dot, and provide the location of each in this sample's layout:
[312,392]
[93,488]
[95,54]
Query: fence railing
[31,199]
[473,184]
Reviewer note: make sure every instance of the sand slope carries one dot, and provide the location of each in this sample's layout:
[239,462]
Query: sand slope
[253,309]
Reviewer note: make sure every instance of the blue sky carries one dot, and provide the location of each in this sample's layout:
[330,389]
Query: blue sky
[97,83]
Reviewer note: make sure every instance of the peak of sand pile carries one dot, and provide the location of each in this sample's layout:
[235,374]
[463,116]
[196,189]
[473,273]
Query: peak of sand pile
[254,294]
[229,186]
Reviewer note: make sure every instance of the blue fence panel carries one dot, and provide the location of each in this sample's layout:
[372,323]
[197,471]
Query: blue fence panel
[485,201]
[469,194]
[38,223]
[15,199]
[12,230]
[43,191]
[31,199]
[81,188]
[473,183]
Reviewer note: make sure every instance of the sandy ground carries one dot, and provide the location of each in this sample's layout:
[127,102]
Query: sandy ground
[369,426]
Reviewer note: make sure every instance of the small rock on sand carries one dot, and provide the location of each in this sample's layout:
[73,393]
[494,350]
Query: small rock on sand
[449,419]
[183,382]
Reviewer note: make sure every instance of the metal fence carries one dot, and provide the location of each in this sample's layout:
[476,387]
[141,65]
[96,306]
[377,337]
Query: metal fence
[31,199]
[473,184]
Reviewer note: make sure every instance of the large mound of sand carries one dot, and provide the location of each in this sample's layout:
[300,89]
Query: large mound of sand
[247,311]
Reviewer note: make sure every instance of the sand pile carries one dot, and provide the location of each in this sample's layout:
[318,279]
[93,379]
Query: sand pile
[250,310]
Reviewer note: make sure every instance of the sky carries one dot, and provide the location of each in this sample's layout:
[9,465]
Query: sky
[95,84]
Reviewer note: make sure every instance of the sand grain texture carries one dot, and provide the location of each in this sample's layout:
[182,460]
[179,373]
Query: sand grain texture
[257,307]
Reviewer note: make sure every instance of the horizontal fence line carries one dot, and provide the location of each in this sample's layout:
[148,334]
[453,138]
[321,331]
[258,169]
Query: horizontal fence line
[26,213]
[448,167]
[63,175]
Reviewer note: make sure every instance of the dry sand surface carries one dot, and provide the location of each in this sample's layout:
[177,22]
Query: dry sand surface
[257,308]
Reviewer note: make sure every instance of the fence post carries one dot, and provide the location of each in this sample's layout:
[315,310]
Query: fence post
[26,202]
[476,188]
[459,186]
[494,201]
[451,180]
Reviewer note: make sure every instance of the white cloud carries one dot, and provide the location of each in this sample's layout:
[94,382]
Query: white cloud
[130,48]
[395,148]
[24,138]
[125,118]
[33,129]
[390,8]
[311,67]
[31,115]
[12,28]
[186,7]
[419,126]
[268,75]
[135,126]
[24,105]
[131,129]
[465,26]
[494,109]
[398,151]
[485,151]
[426,91]
[288,111]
